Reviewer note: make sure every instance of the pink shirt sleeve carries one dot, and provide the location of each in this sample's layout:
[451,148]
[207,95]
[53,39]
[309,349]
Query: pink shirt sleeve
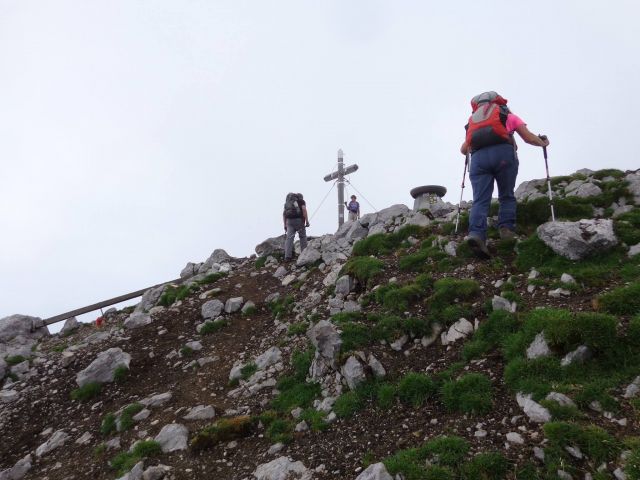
[513,122]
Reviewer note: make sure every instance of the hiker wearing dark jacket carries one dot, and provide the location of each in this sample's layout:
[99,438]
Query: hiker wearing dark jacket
[493,152]
[295,220]
[353,207]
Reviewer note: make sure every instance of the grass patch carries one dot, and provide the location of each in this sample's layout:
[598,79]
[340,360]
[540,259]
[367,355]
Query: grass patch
[294,390]
[282,306]
[14,360]
[299,328]
[397,298]
[248,370]
[415,388]
[125,461]
[186,351]
[597,444]
[347,405]
[224,430]
[280,431]
[383,244]
[211,278]
[87,392]
[365,269]
[173,294]
[314,419]
[490,334]
[621,301]
[472,394]
[120,374]
[126,419]
[487,466]
[210,327]
[108,424]
[627,227]
[260,262]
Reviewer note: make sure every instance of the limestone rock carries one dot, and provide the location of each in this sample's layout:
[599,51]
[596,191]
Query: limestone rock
[326,338]
[21,326]
[309,255]
[583,190]
[280,272]
[536,412]
[155,401]
[538,348]
[268,358]
[8,396]
[577,240]
[18,471]
[55,441]
[218,256]
[501,303]
[282,468]
[376,367]
[579,355]
[156,472]
[461,329]
[514,437]
[211,309]
[233,305]
[566,278]
[353,372]
[150,299]
[70,325]
[560,399]
[135,473]
[200,412]
[248,306]
[377,471]
[137,320]
[270,246]
[633,389]
[173,437]
[344,285]
[529,190]
[102,369]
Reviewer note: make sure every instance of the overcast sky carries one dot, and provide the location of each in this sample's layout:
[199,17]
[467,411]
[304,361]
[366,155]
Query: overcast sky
[138,135]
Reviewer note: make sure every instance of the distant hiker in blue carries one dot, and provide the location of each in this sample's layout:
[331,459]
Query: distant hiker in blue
[493,152]
[353,207]
[295,220]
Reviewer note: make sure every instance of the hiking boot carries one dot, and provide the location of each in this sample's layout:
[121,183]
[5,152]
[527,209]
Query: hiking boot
[478,247]
[507,233]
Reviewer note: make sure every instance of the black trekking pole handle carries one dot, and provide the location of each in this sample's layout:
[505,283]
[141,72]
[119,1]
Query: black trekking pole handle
[544,149]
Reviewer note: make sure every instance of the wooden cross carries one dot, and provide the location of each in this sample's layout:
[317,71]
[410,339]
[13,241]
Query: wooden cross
[339,174]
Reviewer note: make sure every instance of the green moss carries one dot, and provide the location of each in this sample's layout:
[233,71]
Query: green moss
[415,388]
[622,301]
[87,392]
[210,327]
[472,394]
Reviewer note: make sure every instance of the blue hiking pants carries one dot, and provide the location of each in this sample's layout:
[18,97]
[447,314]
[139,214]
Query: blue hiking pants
[497,163]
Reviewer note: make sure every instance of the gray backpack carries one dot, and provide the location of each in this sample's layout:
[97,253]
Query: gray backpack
[292,206]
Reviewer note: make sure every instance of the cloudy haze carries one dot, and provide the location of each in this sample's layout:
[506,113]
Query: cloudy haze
[136,136]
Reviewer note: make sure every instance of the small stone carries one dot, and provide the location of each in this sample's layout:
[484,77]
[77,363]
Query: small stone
[566,278]
[579,355]
[514,437]
[173,437]
[275,448]
[538,348]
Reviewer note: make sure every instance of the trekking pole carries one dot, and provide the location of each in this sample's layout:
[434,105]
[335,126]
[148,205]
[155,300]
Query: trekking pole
[464,175]
[549,191]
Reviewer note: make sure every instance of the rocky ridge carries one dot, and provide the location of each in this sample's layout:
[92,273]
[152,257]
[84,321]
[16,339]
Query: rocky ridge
[384,352]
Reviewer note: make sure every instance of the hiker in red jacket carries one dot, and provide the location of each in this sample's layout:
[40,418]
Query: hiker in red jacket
[492,149]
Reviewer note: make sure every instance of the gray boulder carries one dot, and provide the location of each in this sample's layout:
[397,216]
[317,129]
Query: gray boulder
[15,326]
[376,367]
[135,473]
[377,471]
[282,468]
[173,437]
[536,412]
[353,372]
[18,471]
[529,190]
[233,305]
[560,399]
[200,412]
[633,389]
[634,186]
[461,329]
[156,472]
[326,338]
[189,270]
[102,369]
[158,400]
[579,355]
[577,240]
[218,256]
[538,348]
[212,309]
[270,246]
[70,325]
[150,299]
[55,441]
[248,306]
[634,250]
[311,254]
[344,285]
[268,358]
[500,303]
[137,320]
[581,189]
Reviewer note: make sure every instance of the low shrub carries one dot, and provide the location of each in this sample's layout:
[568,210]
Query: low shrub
[472,394]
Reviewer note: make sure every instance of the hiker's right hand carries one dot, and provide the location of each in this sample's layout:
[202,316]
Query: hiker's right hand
[545,140]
